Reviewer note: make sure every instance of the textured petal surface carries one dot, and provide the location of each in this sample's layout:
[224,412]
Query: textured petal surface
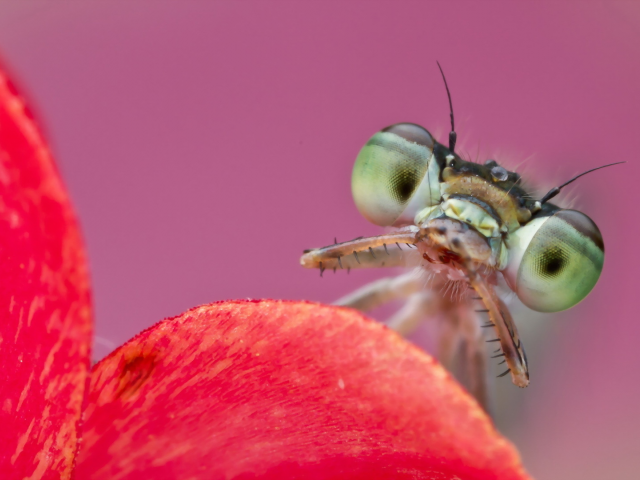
[45,317]
[280,390]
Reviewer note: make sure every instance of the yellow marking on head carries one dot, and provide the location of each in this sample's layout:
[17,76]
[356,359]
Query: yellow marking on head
[511,214]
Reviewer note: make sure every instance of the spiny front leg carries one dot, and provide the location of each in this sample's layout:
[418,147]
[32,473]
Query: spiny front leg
[395,249]
[504,326]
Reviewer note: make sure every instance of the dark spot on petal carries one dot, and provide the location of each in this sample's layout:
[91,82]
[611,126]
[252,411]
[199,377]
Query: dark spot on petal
[136,368]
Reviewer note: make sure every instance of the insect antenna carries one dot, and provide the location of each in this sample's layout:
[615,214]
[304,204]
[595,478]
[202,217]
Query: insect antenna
[556,190]
[452,134]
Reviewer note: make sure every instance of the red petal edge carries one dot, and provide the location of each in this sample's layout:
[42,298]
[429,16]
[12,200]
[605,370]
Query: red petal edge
[45,316]
[283,390]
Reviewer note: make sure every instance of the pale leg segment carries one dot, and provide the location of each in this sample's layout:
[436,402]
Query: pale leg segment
[474,359]
[418,306]
[394,249]
[383,291]
[460,345]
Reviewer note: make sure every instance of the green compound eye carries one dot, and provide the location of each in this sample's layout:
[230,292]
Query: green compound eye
[392,178]
[554,262]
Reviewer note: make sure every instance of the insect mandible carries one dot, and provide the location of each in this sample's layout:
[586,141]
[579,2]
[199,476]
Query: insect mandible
[463,225]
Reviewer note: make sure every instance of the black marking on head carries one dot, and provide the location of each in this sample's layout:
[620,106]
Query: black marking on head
[546,210]
[500,177]
[440,152]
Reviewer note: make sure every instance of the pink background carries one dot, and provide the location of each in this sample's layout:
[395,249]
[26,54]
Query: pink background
[207,143]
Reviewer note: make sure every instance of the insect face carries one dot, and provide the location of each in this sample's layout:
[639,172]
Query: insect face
[551,258]
[464,223]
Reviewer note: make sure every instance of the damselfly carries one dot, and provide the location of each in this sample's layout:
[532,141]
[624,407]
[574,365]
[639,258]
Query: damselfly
[462,225]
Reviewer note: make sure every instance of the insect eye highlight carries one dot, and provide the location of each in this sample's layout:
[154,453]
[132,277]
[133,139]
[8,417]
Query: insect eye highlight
[554,262]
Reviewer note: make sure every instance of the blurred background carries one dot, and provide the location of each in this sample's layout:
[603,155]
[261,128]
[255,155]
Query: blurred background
[206,144]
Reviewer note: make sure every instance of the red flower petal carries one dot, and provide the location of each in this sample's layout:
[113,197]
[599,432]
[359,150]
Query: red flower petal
[281,390]
[45,318]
